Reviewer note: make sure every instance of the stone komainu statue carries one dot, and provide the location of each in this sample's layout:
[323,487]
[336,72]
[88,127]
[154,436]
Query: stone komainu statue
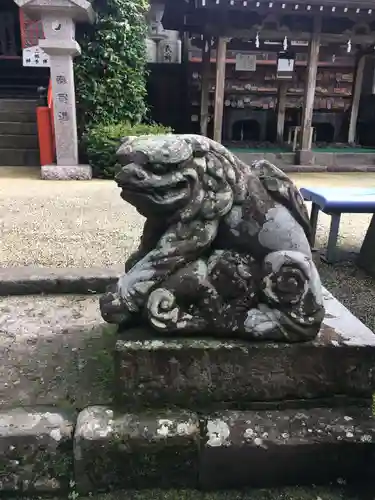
[225,248]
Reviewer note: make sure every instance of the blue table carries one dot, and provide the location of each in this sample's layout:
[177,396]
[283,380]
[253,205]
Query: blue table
[334,202]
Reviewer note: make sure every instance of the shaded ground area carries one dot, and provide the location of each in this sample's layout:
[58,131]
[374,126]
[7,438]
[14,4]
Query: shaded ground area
[54,350]
[353,288]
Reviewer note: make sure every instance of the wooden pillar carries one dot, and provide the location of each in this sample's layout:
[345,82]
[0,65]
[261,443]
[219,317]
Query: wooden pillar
[185,122]
[310,84]
[357,88]
[281,101]
[205,84]
[221,51]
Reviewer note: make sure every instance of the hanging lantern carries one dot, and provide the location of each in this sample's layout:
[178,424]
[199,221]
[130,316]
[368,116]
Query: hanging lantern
[285,43]
[257,41]
[349,47]
[285,65]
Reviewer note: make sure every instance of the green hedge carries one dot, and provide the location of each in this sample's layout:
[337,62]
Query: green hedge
[110,74]
[102,141]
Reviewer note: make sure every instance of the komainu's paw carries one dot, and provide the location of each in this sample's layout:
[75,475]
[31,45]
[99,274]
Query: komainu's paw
[262,321]
[113,309]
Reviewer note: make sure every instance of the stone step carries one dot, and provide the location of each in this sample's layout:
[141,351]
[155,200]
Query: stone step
[19,157]
[344,159]
[18,128]
[18,116]
[275,158]
[103,450]
[290,447]
[228,450]
[200,373]
[18,141]
[18,105]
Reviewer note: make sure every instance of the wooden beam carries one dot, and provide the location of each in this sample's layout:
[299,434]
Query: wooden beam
[357,88]
[281,101]
[279,35]
[310,84]
[219,89]
[205,84]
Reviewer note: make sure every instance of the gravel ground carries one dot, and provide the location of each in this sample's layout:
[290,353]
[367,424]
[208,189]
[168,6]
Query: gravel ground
[84,224]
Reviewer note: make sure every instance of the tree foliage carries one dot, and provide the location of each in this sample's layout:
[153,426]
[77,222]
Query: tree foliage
[110,74]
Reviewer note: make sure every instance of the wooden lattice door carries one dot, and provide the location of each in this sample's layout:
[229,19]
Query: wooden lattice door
[31,31]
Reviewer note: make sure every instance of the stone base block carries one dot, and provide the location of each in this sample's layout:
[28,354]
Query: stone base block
[66,173]
[35,451]
[262,449]
[135,451]
[305,157]
[201,373]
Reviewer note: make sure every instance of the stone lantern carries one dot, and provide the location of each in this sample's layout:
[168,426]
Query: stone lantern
[59,18]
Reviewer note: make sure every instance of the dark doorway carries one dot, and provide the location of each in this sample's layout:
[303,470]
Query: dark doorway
[166,95]
[325,132]
[246,130]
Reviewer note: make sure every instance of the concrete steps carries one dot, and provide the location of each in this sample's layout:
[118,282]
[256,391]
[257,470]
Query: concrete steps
[18,128]
[103,449]
[12,105]
[18,141]
[17,116]
[18,132]
[19,157]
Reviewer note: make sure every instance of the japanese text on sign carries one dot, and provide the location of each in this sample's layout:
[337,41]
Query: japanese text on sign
[61,80]
[246,62]
[35,57]
[63,116]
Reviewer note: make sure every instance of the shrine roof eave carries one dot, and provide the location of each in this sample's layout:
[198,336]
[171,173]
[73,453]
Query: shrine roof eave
[183,15]
[239,4]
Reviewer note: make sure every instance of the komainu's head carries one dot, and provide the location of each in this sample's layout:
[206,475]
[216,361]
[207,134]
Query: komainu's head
[178,176]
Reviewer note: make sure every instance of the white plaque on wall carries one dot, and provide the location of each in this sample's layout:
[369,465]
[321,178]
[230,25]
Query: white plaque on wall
[285,68]
[35,57]
[246,62]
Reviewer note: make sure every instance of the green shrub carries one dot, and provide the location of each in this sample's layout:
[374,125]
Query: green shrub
[102,141]
[110,74]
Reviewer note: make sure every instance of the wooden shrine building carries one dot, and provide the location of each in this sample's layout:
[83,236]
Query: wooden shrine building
[304,60]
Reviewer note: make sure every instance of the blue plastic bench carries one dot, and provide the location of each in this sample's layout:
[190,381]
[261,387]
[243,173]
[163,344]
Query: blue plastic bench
[334,202]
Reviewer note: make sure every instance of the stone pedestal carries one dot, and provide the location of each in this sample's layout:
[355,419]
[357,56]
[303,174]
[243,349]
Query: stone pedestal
[66,172]
[201,373]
